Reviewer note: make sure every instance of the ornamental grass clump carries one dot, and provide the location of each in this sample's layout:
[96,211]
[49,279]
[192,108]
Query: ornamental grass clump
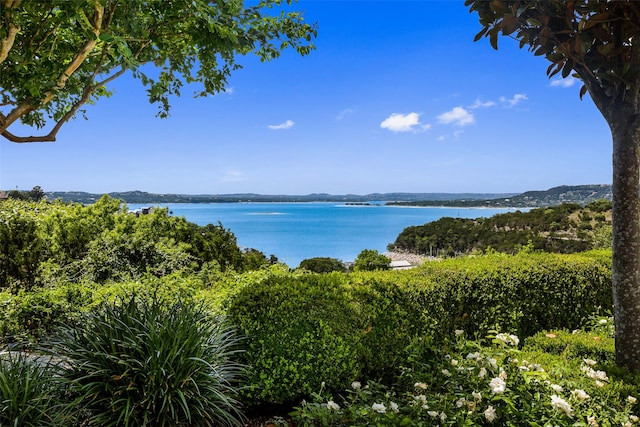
[29,393]
[140,362]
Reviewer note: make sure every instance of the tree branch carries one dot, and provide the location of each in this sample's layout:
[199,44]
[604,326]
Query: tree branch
[51,136]
[27,106]
[80,56]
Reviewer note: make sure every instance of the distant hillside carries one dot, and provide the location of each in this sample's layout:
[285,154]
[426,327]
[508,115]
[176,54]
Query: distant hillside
[580,194]
[565,228]
[151,198]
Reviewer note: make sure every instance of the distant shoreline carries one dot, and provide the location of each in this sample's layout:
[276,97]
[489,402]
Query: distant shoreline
[581,194]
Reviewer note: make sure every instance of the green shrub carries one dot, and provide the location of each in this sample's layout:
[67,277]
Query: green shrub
[300,332]
[525,293]
[322,265]
[29,392]
[140,362]
[573,345]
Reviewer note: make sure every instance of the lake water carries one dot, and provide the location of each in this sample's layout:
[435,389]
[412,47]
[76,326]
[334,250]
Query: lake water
[296,231]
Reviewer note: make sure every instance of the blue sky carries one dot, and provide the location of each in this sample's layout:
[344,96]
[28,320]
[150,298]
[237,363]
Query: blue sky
[396,98]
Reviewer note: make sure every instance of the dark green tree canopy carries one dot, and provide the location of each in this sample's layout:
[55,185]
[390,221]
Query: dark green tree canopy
[58,55]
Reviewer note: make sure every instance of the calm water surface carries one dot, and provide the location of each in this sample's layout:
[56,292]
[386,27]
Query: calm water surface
[296,231]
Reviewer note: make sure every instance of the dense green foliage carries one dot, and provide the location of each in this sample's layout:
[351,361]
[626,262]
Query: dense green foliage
[322,265]
[566,228]
[305,335]
[312,329]
[51,243]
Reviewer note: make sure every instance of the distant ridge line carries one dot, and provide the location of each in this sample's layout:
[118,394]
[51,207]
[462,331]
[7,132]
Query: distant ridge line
[562,194]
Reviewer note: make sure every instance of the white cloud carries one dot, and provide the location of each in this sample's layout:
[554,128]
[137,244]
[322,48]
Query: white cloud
[397,122]
[286,125]
[560,82]
[481,104]
[515,100]
[229,90]
[458,116]
[344,113]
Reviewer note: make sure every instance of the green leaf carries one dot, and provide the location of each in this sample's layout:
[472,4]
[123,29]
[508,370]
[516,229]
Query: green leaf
[583,91]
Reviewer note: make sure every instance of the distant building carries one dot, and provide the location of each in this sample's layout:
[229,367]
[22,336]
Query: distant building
[400,265]
[141,211]
[3,195]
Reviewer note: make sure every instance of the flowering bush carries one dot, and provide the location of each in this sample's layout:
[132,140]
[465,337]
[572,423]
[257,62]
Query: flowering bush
[488,382]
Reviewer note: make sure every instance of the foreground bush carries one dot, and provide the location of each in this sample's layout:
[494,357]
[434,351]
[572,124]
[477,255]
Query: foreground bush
[299,332]
[311,329]
[141,362]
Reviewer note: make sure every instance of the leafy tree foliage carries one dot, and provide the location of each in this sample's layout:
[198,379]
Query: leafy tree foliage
[371,260]
[322,265]
[599,42]
[562,229]
[57,56]
[43,243]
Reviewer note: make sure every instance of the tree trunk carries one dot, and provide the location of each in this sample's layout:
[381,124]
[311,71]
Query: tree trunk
[625,130]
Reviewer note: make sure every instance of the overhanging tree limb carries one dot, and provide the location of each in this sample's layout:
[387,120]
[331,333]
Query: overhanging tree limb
[63,45]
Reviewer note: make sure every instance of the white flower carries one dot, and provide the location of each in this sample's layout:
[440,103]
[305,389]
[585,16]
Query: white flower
[333,406]
[356,385]
[493,362]
[454,362]
[446,373]
[443,416]
[472,356]
[459,332]
[602,321]
[490,414]
[557,388]
[498,385]
[394,407]
[627,424]
[508,339]
[634,418]
[482,373]
[561,405]
[379,408]
[477,396]
[433,413]
[599,383]
[596,375]
[503,374]
[589,362]
[422,386]
[591,421]
[581,395]
[631,399]
[461,402]
[421,398]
